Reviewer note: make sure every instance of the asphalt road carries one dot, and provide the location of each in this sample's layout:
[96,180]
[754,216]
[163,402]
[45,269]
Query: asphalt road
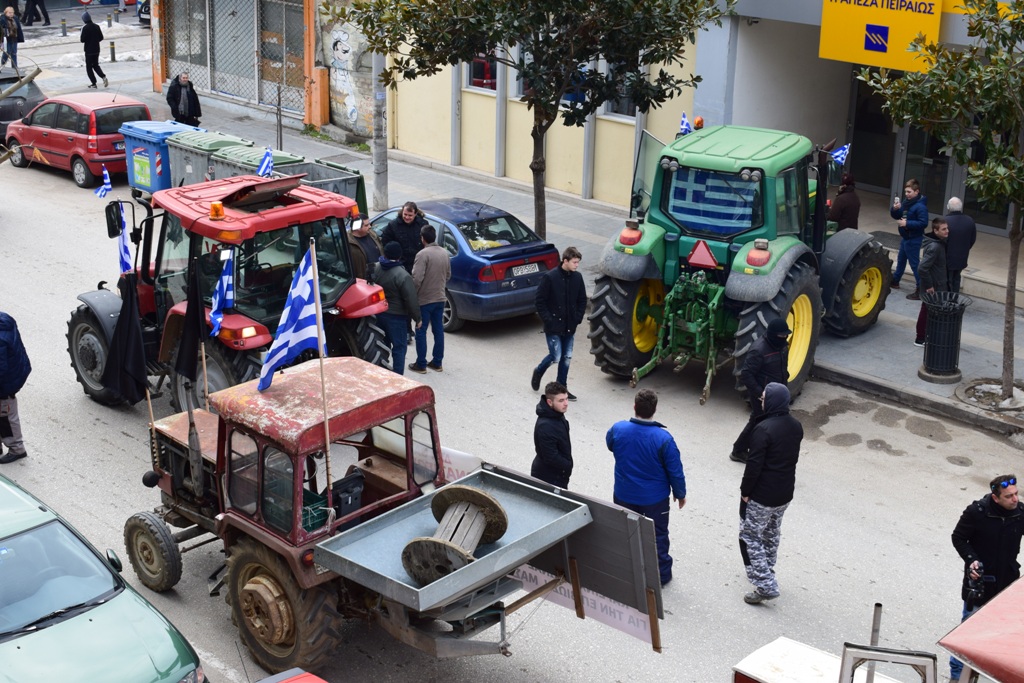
[879,487]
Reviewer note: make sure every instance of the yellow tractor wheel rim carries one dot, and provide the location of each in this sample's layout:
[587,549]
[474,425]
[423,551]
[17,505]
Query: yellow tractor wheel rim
[801,320]
[650,295]
[866,292]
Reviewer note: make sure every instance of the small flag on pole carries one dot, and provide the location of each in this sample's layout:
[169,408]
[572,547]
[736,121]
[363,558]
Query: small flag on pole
[224,293]
[299,326]
[105,188]
[840,154]
[124,251]
[684,125]
[266,168]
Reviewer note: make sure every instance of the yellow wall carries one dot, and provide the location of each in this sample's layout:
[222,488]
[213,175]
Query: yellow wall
[564,155]
[478,114]
[613,159]
[518,143]
[419,116]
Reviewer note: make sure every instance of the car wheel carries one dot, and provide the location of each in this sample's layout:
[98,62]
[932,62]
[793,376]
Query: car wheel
[83,176]
[450,318]
[17,155]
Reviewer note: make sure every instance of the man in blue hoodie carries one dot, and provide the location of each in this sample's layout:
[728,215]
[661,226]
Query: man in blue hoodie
[912,219]
[14,370]
[767,489]
[647,469]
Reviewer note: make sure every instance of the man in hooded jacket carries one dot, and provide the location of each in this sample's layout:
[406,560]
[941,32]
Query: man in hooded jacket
[553,462]
[767,489]
[932,272]
[14,370]
[766,361]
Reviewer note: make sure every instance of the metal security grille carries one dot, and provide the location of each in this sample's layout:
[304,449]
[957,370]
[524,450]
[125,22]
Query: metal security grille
[247,49]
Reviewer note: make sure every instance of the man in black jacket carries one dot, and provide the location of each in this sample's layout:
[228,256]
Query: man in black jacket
[92,36]
[561,304]
[989,534]
[183,100]
[932,272]
[963,233]
[553,463]
[767,361]
[767,489]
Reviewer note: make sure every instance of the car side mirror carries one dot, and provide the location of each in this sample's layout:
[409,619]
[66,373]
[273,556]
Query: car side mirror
[114,561]
[26,121]
[114,225]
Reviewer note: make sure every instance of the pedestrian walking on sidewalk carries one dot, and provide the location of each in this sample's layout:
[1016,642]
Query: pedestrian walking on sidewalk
[647,469]
[10,29]
[14,370]
[92,36]
[911,216]
[767,361]
[561,303]
[987,538]
[553,460]
[962,235]
[430,272]
[933,273]
[400,293]
[35,10]
[767,490]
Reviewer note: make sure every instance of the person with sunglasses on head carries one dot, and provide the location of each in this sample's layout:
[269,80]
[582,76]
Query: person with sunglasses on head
[988,537]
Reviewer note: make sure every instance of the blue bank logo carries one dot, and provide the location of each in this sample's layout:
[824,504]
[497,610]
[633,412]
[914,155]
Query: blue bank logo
[876,38]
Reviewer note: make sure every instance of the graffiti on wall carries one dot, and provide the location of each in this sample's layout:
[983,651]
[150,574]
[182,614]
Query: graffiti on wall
[351,81]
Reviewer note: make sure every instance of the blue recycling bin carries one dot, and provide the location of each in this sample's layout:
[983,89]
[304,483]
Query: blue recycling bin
[146,153]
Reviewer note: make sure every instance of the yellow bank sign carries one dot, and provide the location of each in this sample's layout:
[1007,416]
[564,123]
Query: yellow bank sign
[877,32]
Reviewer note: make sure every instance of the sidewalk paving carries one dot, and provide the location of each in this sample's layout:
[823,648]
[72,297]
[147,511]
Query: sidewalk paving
[882,362]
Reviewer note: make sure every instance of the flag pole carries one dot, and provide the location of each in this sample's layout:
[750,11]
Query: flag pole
[320,353]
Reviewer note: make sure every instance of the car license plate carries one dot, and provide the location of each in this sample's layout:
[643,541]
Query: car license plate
[525,270]
[119,146]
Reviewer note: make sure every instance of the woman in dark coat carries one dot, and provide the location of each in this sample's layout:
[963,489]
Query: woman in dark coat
[183,100]
[846,206]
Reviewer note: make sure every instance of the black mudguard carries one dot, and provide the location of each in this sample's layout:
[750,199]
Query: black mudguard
[627,267]
[758,288]
[106,306]
[839,252]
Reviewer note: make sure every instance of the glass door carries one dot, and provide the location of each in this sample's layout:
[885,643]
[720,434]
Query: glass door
[873,140]
[920,158]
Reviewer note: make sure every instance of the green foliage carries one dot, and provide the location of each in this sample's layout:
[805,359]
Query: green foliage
[971,97]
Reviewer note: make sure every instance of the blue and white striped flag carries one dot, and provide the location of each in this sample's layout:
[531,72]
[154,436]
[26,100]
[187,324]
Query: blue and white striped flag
[124,252]
[224,293]
[266,168]
[840,154]
[684,125]
[103,189]
[297,330]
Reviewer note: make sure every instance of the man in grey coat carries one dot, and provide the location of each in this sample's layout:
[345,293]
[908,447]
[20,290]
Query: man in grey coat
[430,272]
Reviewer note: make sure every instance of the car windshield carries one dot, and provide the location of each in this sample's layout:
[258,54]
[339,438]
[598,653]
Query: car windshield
[30,91]
[47,572]
[110,120]
[713,203]
[492,233]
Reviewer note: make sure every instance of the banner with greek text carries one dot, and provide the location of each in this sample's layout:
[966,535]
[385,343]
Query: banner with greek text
[877,32]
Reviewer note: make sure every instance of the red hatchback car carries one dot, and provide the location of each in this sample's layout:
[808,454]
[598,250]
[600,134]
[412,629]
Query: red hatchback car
[76,132]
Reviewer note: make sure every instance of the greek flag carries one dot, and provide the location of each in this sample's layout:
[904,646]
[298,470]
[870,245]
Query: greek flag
[224,293]
[124,252]
[684,125]
[840,154]
[266,168]
[103,189]
[712,202]
[297,331]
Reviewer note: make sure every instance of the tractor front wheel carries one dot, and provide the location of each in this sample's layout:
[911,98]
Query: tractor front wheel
[624,323]
[362,338]
[862,292]
[282,625]
[89,351]
[154,554]
[224,368]
[798,302]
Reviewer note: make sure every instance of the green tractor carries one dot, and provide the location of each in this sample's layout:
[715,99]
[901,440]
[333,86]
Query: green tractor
[729,231]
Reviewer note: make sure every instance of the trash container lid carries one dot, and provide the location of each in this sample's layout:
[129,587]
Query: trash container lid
[209,141]
[251,157]
[156,131]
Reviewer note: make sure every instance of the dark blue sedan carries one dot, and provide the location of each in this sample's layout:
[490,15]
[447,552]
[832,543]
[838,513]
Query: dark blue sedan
[497,261]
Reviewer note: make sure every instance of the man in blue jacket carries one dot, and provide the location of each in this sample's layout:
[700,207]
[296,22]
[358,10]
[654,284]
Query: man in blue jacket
[647,469]
[14,370]
[912,219]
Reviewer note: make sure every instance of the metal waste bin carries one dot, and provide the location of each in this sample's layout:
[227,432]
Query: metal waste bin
[942,336]
[331,177]
[190,154]
[236,161]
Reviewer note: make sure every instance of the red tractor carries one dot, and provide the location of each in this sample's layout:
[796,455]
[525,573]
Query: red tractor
[264,220]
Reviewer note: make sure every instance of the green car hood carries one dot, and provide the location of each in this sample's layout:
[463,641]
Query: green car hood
[125,639]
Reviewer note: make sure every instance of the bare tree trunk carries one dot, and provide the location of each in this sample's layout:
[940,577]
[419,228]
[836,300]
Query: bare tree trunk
[539,166]
[1009,308]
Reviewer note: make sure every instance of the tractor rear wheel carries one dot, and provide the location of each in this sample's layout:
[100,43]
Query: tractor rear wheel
[862,292]
[282,625]
[624,323]
[87,346]
[362,338]
[798,302]
[154,554]
[224,368]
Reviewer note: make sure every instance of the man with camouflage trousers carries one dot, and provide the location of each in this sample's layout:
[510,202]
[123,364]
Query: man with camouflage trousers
[767,489]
